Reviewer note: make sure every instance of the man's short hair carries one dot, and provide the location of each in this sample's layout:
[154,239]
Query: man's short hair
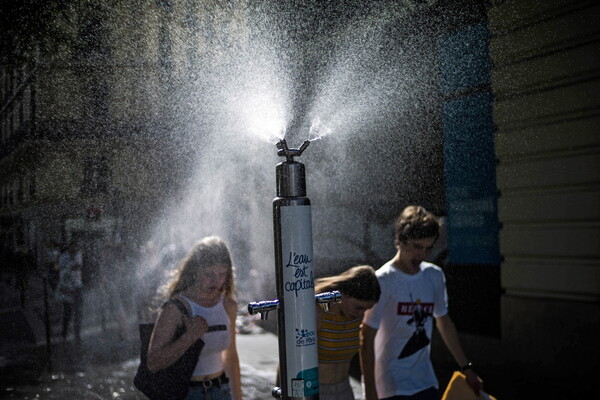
[415,222]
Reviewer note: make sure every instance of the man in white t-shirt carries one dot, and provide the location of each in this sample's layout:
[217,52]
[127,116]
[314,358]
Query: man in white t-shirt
[396,333]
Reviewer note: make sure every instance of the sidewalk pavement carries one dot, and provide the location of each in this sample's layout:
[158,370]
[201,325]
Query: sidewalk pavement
[25,357]
[259,356]
[103,366]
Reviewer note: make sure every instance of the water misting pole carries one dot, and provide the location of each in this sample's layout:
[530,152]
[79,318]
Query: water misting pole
[297,323]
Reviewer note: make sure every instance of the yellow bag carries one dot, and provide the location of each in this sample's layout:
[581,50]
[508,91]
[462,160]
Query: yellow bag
[459,389]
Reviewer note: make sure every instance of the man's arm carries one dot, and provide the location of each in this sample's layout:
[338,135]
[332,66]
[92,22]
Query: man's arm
[367,360]
[448,332]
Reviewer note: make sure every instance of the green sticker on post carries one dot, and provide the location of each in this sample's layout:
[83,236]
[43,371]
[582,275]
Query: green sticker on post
[311,381]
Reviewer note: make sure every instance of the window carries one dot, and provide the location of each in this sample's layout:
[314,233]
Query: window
[20,194]
[96,176]
[26,104]
[32,187]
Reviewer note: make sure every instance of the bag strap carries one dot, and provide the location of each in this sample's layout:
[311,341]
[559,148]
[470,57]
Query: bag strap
[179,305]
[184,311]
[182,308]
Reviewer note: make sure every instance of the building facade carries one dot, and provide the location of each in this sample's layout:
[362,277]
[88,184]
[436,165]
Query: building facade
[545,83]
[88,150]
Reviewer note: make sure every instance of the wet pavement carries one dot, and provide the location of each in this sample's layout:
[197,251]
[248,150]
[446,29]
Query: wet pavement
[102,367]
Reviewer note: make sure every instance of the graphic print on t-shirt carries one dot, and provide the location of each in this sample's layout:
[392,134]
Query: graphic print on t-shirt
[419,313]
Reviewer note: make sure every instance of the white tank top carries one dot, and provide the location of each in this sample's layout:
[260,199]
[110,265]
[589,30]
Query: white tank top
[210,360]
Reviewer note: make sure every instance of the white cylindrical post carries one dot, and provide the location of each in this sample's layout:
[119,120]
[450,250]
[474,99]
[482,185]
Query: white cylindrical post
[299,375]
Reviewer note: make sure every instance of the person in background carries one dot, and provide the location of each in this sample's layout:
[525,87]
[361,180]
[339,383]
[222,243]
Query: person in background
[204,283]
[396,334]
[116,286]
[338,328]
[148,274]
[156,268]
[69,290]
[52,267]
[24,265]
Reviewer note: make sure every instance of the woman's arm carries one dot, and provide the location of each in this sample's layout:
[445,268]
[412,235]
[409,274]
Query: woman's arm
[231,359]
[162,351]
[319,315]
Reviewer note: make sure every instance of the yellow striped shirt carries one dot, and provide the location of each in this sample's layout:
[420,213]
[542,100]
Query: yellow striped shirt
[338,338]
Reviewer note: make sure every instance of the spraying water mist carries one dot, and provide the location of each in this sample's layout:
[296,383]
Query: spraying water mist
[239,77]
[286,73]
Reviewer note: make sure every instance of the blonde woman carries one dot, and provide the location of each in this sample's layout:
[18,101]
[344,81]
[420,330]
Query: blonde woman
[204,283]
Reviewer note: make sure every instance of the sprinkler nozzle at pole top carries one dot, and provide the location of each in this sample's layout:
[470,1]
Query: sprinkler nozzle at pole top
[289,154]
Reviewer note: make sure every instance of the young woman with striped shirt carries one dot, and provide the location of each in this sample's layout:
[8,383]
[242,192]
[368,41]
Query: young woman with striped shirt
[338,328]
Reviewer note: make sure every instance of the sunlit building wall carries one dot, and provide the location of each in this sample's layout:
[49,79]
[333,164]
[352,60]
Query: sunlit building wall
[545,83]
[89,146]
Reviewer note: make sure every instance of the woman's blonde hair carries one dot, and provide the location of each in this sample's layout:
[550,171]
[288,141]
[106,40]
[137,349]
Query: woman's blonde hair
[359,282]
[208,251]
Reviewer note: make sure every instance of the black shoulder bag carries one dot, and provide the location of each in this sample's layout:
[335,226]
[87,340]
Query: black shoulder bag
[172,382]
